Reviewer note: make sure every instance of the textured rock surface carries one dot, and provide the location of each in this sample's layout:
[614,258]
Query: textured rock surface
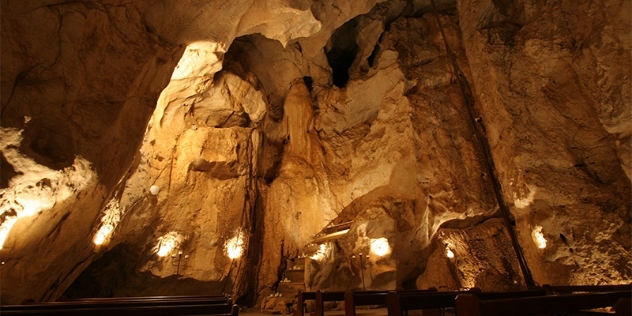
[270,120]
[558,116]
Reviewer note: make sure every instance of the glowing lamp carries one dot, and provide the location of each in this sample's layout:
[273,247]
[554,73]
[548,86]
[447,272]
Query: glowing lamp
[167,243]
[380,246]
[154,190]
[103,234]
[235,247]
[538,237]
[448,252]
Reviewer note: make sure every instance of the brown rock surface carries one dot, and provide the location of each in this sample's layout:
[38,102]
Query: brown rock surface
[185,126]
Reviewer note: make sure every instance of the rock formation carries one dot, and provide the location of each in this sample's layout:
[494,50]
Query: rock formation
[193,148]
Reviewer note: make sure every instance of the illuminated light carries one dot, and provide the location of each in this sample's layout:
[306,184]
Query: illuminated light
[525,201]
[235,246]
[380,246]
[165,248]
[110,220]
[448,252]
[103,234]
[5,228]
[538,237]
[154,190]
[30,206]
[320,254]
[167,243]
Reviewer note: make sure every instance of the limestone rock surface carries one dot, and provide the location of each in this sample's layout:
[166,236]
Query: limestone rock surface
[193,148]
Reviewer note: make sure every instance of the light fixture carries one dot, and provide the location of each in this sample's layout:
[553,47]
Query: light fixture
[448,252]
[380,246]
[103,234]
[154,189]
[109,221]
[167,243]
[179,263]
[538,237]
[362,263]
[235,246]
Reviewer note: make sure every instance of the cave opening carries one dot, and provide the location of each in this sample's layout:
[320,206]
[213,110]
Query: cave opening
[341,52]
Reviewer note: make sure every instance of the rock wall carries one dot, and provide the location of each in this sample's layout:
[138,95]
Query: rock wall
[133,132]
[558,121]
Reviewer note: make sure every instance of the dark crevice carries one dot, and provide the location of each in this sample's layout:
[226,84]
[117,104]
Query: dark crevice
[371,59]
[341,52]
[7,172]
[309,83]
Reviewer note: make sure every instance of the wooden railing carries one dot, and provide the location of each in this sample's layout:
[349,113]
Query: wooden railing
[137,306]
[399,303]
[471,305]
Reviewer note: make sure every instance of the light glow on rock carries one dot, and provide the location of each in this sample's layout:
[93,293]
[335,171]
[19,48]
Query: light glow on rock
[36,188]
[448,252]
[320,254]
[199,59]
[103,234]
[5,228]
[21,206]
[235,246]
[109,221]
[538,237]
[524,201]
[30,206]
[380,246]
[167,243]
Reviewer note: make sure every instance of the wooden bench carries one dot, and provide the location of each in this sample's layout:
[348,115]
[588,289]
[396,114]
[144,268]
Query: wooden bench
[368,298]
[354,299]
[129,306]
[322,297]
[400,303]
[623,307]
[300,301]
[471,305]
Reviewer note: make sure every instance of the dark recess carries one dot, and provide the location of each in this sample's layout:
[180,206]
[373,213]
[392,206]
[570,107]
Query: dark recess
[342,51]
[7,172]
